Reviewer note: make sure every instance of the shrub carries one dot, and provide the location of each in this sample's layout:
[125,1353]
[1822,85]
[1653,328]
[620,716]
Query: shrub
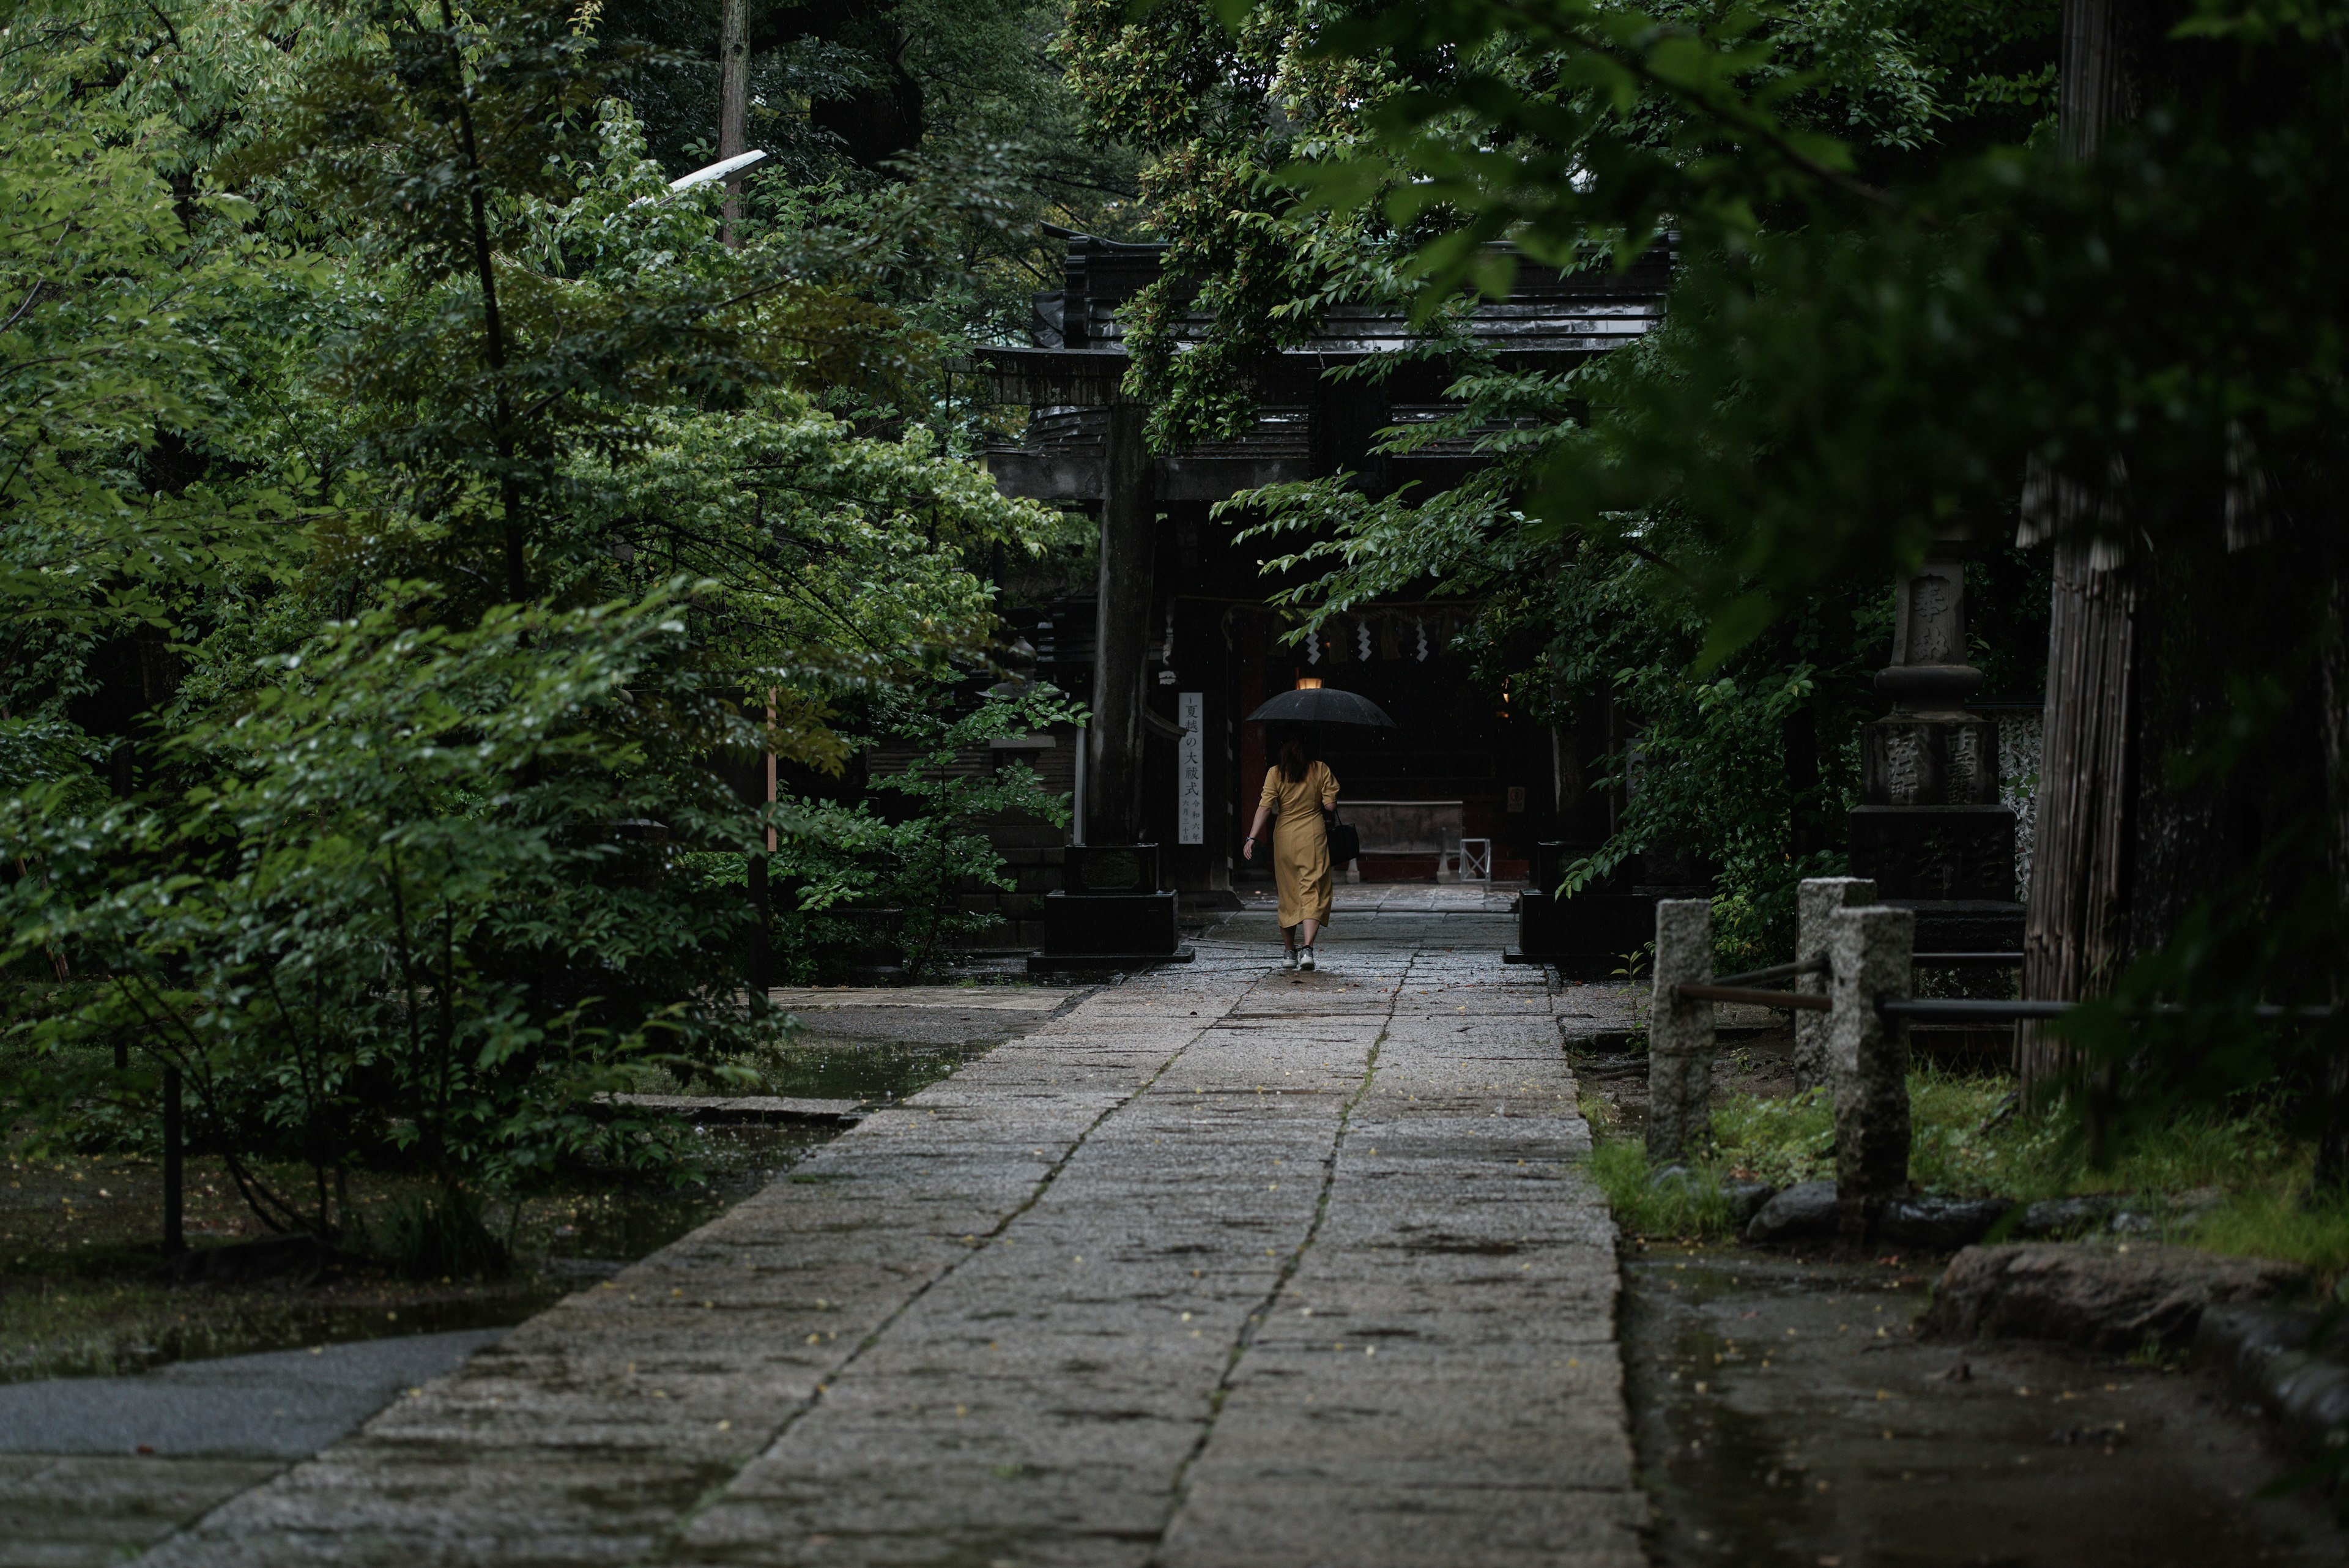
[839,857]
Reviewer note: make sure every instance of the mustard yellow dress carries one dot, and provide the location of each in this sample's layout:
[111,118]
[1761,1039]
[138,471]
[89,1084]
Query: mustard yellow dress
[1300,845]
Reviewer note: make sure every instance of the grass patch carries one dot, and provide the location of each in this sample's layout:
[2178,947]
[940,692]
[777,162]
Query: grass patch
[2228,1181]
[2272,1223]
[1690,1205]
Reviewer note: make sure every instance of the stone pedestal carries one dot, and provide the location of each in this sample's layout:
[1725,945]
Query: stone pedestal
[1112,906]
[1589,934]
[1930,832]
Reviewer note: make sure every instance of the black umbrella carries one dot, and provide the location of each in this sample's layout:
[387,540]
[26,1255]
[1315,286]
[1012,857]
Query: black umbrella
[1320,705]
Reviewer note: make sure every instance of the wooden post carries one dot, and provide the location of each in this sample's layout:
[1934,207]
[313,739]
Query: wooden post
[1871,948]
[175,1230]
[1679,1033]
[1121,633]
[734,102]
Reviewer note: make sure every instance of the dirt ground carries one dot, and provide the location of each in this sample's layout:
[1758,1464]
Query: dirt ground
[81,1290]
[1756,1057]
[81,1234]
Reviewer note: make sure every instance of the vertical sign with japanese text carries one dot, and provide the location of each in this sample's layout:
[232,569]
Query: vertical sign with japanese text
[1191,770]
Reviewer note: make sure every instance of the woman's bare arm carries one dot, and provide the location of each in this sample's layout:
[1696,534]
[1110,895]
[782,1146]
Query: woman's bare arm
[1255,830]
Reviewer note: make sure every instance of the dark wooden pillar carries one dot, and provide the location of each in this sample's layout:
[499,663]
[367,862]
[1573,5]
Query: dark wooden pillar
[1121,633]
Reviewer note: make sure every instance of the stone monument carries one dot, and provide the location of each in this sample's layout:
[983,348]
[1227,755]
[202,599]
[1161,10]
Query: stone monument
[1930,831]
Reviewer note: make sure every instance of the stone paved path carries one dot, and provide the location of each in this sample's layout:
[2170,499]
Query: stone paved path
[1221,1268]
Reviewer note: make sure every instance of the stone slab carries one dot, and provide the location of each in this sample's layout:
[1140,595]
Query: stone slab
[284,1404]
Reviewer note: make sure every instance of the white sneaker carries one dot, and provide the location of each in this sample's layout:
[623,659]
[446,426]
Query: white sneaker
[1289,958]
[1305,959]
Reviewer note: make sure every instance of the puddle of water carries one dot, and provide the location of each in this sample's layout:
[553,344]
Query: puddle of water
[628,1222]
[828,1067]
[1783,1417]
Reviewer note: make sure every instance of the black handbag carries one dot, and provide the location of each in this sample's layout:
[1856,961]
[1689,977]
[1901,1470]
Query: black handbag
[1345,840]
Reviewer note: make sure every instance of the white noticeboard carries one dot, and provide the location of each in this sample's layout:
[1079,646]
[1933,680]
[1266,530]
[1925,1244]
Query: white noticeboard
[1191,770]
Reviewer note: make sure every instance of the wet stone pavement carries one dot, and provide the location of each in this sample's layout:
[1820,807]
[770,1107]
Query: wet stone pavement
[1219,1267]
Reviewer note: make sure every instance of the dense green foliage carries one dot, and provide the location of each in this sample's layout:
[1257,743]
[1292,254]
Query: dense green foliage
[414,517]
[960,104]
[906,852]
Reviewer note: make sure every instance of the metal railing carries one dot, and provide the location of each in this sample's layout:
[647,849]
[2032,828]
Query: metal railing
[1741,989]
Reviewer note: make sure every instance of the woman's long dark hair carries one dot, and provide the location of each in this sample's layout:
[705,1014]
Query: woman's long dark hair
[1295,755]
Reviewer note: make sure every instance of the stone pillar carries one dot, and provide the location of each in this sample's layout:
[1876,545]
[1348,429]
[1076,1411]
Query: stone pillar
[1679,1033]
[1818,897]
[1930,830]
[1867,1061]
[1129,528]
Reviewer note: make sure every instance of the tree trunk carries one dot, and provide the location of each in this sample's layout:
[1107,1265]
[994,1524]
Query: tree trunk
[2075,924]
[2100,74]
[733,101]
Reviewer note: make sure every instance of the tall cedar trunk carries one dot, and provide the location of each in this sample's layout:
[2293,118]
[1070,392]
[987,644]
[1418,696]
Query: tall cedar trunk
[2332,1149]
[2076,925]
[733,99]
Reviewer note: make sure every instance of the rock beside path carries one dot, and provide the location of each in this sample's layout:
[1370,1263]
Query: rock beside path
[1941,1224]
[2054,1217]
[1806,1210]
[2099,1298]
[2292,1362]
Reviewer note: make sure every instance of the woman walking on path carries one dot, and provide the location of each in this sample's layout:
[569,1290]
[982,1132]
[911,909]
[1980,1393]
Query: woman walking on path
[1300,787]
